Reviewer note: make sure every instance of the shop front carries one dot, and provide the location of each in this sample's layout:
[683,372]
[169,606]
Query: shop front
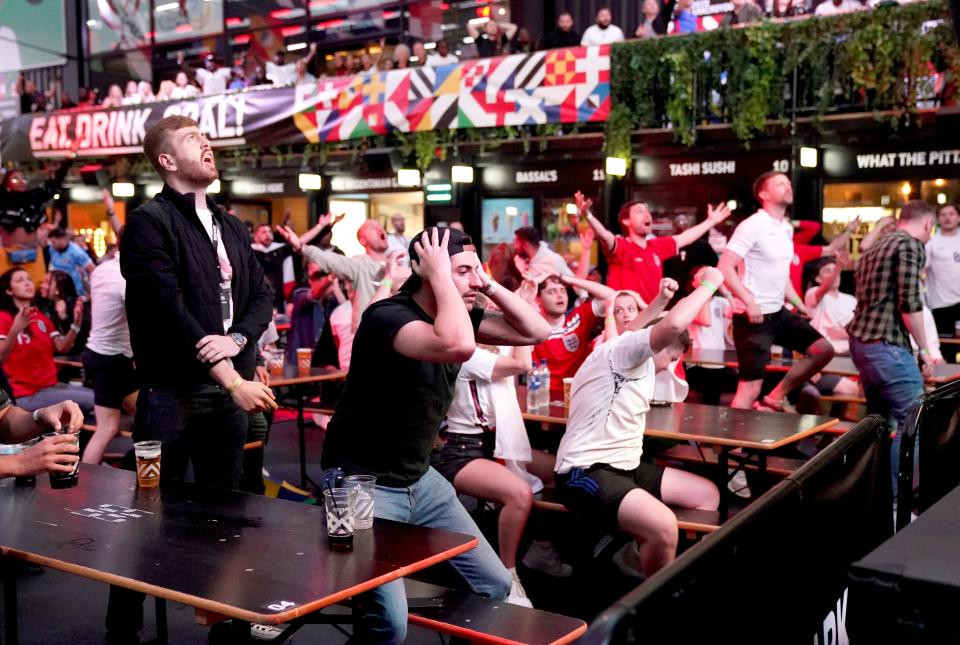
[539,195]
[380,197]
[875,182]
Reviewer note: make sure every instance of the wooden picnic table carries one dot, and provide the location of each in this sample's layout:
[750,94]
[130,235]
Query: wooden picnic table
[227,554]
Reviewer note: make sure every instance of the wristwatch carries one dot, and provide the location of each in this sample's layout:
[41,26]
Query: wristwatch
[239,339]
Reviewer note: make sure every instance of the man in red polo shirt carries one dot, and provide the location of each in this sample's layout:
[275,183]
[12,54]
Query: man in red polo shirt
[636,262]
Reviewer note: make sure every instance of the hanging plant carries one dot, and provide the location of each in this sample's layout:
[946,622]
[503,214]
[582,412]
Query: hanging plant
[425,146]
[616,135]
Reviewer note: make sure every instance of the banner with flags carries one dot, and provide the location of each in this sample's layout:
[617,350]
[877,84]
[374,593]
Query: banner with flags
[554,86]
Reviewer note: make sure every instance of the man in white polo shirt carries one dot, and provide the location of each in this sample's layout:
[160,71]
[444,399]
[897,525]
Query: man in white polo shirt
[943,270]
[763,245]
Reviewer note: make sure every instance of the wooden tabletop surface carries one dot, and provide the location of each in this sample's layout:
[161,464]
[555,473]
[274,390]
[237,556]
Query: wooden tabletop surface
[292,376]
[714,425]
[242,556]
[839,365]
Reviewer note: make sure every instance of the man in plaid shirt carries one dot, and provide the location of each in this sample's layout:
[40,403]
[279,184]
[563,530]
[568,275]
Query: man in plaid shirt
[889,310]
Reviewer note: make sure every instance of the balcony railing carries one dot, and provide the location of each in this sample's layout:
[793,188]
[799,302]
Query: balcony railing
[893,59]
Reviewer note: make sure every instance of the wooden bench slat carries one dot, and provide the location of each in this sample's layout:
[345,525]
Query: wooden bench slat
[482,620]
[837,398]
[684,454]
[688,519]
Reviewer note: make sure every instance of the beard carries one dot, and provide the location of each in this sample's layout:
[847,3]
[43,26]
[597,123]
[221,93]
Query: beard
[199,173]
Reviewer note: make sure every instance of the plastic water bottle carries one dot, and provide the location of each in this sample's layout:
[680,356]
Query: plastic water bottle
[544,385]
[533,389]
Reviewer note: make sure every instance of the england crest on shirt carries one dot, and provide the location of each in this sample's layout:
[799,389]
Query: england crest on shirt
[42,326]
[571,342]
[656,259]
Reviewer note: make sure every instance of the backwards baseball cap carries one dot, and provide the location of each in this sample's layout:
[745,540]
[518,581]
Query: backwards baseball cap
[458,243]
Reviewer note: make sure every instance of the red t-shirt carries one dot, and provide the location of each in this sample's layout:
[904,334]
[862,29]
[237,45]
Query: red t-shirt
[567,347]
[802,253]
[29,367]
[805,231]
[639,269]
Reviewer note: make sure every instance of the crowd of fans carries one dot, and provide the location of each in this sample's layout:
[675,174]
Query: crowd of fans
[486,39]
[439,340]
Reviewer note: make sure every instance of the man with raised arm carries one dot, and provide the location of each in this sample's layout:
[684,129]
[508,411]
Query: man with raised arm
[599,472]
[636,263]
[406,356]
[763,245]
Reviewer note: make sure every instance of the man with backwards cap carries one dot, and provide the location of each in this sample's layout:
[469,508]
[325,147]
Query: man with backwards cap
[406,356]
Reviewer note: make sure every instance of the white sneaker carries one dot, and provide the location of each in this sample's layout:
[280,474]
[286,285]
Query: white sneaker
[266,632]
[738,484]
[543,557]
[517,595]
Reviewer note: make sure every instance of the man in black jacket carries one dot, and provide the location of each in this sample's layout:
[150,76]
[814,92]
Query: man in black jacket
[197,302]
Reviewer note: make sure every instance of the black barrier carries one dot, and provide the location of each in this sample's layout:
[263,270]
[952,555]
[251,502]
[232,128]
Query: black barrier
[777,571]
[936,418]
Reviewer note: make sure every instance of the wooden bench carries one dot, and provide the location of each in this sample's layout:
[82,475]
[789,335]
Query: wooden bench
[684,454]
[841,398]
[481,620]
[691,521]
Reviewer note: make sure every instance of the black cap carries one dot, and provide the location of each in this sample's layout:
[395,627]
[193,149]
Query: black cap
[456,244]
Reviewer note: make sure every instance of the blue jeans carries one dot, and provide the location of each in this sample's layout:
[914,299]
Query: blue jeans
[891,381]
[431,502]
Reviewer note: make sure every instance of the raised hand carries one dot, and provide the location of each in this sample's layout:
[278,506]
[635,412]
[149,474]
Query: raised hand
[583,203]
[718,213]
[434,262]
[668,288]
[291,238]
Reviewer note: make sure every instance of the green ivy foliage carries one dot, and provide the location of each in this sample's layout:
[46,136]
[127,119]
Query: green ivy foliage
[876,60]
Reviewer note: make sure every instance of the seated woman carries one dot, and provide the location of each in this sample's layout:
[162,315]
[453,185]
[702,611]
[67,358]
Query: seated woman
[28,340]
[58,301]
[599,472]
[484,422]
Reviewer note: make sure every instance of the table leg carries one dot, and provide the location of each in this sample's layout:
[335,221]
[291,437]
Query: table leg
[160,605]
[9,602]
[723,459]
[301,429]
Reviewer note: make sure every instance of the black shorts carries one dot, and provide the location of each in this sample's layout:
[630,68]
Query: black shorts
[112,378]
[596,492]
[456,450]
[753,342]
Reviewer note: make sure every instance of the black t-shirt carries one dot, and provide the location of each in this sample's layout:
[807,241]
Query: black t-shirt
[559,38]
[271,261]
[392,406]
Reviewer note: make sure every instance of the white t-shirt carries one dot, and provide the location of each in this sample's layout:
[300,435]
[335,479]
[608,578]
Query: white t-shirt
[281,74]
[472,410]
[609,399]
[109,333]
[226,270]
[214,82]
[436,60]
[549,262]
[341,325]
[712,336]
[766,246]
[827,8]
[943,270]
[831,316]
[185,92]
[596,36]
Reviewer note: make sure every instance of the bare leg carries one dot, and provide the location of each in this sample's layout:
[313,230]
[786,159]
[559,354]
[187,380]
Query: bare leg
[747,393]
[816,357]
[130,402]
[542,466]
[680,488]
[490,481]
[108,425]
[653,526]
